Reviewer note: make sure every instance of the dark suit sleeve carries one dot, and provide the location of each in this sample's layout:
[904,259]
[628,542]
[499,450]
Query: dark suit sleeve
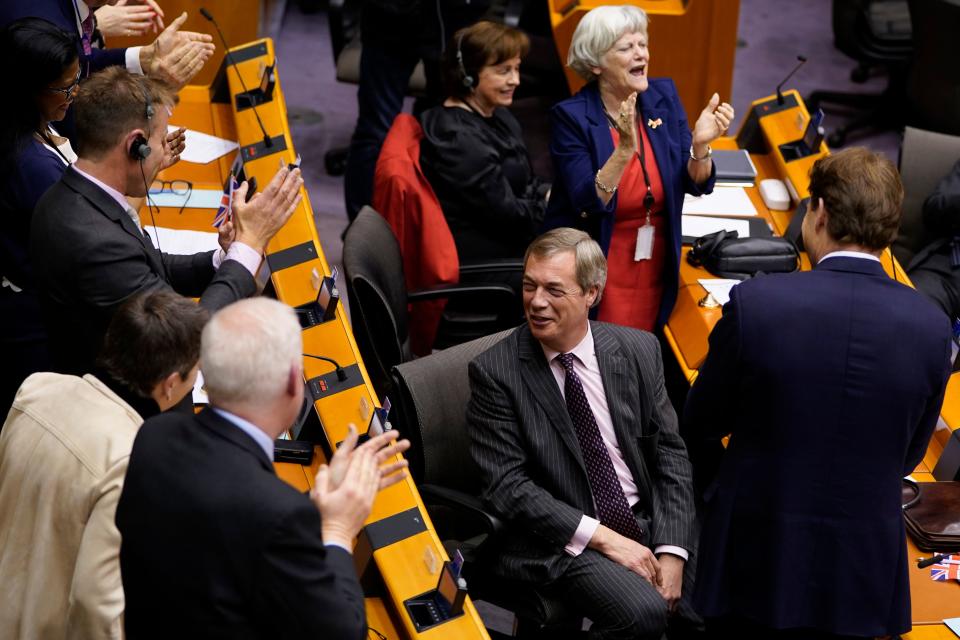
[194,276]
[573,164]
[920,439]
[498,451]
[100,59]
[718,379]
[673,508]
[306,589]
[941,210]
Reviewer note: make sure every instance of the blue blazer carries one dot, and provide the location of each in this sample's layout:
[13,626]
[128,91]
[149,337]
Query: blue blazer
[830,383]
[581,144]
[63,14]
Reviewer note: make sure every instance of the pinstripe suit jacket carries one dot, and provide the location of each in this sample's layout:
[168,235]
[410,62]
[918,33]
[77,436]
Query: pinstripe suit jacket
[533,474]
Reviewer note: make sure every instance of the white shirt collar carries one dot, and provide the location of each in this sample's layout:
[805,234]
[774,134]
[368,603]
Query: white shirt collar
[583,351]
[250,429]
[113,193]
[850,254]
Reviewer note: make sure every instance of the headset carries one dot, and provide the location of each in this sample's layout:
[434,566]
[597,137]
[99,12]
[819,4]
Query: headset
[140,147]
[467,78]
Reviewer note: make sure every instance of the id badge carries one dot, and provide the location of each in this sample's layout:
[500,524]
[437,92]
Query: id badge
[644,250]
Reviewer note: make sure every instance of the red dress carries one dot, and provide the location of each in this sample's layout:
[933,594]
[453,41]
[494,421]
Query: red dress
[634,288]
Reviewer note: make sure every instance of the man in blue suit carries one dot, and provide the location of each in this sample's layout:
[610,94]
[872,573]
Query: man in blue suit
[174,57]
[830,382]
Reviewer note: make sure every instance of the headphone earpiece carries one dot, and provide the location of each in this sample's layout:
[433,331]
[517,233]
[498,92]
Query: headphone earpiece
[140,148]
[467,78]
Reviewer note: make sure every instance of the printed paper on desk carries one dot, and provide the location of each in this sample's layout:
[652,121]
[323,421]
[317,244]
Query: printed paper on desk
[182,241]
[699,226]
[725,201]
[199,393]
[719,287]
[202,148]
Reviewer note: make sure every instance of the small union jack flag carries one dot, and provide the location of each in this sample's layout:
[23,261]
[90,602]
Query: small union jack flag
[947,569]
[226,204]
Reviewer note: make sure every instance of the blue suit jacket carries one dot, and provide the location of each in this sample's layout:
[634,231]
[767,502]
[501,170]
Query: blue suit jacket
[581,144]
[63,14]
[830,383]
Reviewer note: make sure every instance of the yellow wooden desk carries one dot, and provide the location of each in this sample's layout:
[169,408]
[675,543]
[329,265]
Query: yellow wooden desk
[295,256]
[689,326]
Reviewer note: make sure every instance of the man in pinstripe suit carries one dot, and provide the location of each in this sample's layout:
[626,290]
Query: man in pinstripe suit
[578,447]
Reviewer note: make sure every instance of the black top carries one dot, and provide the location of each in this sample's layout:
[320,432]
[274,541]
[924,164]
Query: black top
[480,171]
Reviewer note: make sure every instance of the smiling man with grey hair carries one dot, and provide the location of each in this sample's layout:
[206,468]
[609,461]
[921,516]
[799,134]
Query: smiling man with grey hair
[579,453]
[213,541]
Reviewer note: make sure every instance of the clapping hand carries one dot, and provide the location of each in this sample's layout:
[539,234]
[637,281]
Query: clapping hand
[258,220]
[713,122]
[176,56]
[344,490]
[625,121]
[127,18]
[173,146]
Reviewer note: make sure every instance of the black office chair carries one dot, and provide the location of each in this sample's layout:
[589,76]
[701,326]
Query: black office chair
[431,396]
[875,33]
[378,301]
[933,83]
[925,158]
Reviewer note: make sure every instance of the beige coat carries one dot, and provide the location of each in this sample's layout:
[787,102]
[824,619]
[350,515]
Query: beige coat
[63,456]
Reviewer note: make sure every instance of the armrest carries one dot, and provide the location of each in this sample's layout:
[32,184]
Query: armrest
[459,290]
[464,504]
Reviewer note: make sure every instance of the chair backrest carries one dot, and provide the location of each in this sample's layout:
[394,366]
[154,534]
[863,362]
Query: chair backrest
[925,158]
[933,83]
[377,295]
[432,394]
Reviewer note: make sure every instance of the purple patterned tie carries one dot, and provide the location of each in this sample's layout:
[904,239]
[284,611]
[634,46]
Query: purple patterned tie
[87,27]
[612,506]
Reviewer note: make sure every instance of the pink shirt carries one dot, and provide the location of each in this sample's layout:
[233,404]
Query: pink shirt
[588,368]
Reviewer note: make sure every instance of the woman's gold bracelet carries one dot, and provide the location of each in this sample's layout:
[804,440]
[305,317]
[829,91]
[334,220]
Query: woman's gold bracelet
[603,187]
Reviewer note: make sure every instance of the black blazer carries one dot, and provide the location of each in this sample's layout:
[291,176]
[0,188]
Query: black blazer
[216,546]
[89,256]
[830,383]
[532,470]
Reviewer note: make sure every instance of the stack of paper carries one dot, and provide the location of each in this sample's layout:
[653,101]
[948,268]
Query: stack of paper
[719,287]
[724,201]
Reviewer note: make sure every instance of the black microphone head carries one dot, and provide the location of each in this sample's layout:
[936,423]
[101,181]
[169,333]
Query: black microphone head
[800,58]
[206,14]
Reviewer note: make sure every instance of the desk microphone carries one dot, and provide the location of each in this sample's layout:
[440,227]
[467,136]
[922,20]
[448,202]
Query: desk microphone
[802,59]
[267,142]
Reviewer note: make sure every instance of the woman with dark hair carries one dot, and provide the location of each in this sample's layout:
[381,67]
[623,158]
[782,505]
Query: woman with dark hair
[473,153]
[46,74]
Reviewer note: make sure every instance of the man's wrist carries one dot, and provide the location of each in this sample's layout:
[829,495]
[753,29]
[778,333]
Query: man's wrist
[255,243]
[334,535]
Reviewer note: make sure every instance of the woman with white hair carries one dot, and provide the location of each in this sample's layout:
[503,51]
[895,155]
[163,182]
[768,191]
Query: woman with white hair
[624,157]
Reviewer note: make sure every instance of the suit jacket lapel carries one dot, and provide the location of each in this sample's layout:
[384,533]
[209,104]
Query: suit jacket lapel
[653,107]
[539,379]
[112,210]
[231,433]
[622,390]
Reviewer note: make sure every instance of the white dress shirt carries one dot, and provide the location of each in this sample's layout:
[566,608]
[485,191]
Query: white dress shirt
[242,253]
[587,367]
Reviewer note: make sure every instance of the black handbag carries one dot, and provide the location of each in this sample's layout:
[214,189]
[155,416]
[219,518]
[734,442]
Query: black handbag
[725,255]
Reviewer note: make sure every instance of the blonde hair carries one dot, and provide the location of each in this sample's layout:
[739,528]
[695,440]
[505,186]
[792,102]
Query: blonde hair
[591,264]
[598,31]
